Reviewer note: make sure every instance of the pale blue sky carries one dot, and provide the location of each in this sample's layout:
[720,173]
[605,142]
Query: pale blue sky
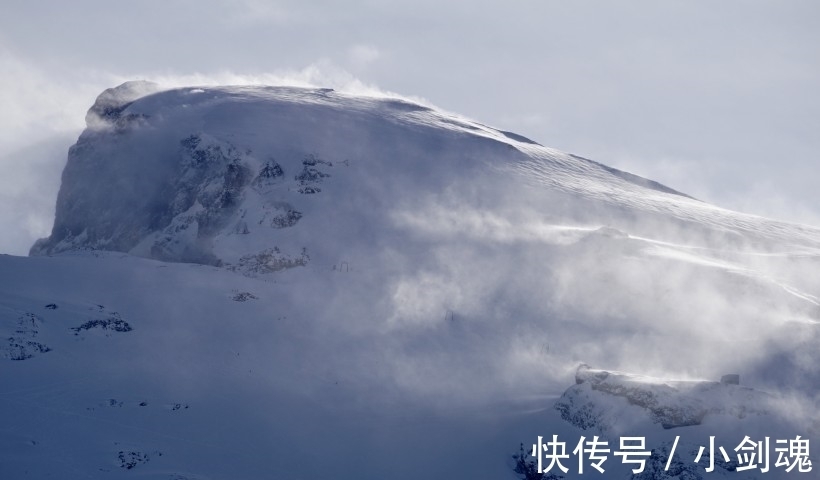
[718,99]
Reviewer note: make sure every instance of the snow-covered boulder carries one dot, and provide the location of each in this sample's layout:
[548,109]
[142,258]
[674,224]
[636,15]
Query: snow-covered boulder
[600,398]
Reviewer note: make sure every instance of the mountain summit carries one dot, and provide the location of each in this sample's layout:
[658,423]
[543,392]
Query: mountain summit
[209,175]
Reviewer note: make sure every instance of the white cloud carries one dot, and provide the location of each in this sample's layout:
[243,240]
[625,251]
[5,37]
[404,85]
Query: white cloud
[363,55]
[35,105]
[247,12]
[42,117]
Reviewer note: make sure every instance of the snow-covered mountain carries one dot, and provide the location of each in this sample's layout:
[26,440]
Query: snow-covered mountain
[264,282]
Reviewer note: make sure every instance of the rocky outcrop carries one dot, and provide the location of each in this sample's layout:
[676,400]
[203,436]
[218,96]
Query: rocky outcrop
[600,397]
[108,109]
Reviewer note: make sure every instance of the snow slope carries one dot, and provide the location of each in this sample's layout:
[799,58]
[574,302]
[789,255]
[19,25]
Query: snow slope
[266,282]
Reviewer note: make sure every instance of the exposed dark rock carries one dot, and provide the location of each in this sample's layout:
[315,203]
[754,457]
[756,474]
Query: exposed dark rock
[113,323]
[268,261]
[243,297]
[22,344]
[287,219]
[131,459]
[269,173]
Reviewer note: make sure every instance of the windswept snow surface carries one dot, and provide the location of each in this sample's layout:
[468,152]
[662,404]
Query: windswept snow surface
[268,282]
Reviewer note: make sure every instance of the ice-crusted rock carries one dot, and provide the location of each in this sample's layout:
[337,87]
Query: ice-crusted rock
[269,261]
[110,104]
[599,398]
